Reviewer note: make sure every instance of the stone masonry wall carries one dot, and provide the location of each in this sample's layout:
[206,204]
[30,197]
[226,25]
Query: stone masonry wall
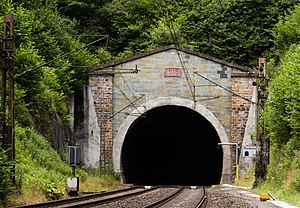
[102,95]
[151,83]
[242,86]
[116,96]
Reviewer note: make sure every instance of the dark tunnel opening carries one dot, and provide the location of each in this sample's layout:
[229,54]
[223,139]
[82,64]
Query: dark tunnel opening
[171,145]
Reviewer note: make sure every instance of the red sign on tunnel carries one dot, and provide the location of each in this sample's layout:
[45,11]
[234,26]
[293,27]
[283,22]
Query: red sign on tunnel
[173,72]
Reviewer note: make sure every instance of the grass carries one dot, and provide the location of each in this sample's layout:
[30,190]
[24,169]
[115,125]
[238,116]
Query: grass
[100,183]
[91,183]
[41,174]
[283,177]
[279,193]
[29,196]
[281,185]
[245,180]
[101,180]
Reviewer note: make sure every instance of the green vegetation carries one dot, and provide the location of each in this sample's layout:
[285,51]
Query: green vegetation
[45,76]
[38,166]
[41,174]
[233,30]
[283,113]
[283,176]
[5,182]
[48,64]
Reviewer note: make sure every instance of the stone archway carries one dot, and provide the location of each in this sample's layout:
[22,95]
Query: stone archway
[173,101]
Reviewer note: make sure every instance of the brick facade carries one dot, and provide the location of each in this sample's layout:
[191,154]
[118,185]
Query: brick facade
[102,96]
[241,85]
[243,88]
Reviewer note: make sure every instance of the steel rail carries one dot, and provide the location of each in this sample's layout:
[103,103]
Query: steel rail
[97,202]
[79,199]
[166,199]
[203,201]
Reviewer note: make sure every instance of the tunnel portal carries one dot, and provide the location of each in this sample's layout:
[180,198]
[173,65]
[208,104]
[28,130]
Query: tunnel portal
[171,145]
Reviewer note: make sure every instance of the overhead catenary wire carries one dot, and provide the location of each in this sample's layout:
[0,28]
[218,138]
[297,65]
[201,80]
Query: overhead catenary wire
[63,34]
[80,50]
[74,51]
[185,70]
[127,98]
[188,78]
[120,89]
[187,75]
[58,57]
[224,88]
[130,88]
[131,103]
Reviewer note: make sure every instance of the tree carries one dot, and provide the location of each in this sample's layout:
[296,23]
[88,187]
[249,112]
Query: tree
[286,33]
[284,111]
[46,62]
[235,30]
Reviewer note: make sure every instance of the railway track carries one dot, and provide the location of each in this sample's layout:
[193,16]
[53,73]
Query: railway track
[204,200]
[90,198]
[132,197]
[166,199]
[183,198]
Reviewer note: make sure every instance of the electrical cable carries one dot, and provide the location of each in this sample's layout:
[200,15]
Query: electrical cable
[104,120]
[58,57]
[129,88]
[189,80]
[126,107]
[224,88]
[124,94]
[131,103]
[186,73]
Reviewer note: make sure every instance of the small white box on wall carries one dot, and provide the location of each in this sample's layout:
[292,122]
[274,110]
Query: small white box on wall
[73,184]
[249,151]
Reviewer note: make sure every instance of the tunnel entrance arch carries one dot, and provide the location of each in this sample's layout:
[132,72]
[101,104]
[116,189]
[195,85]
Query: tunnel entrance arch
[174,141]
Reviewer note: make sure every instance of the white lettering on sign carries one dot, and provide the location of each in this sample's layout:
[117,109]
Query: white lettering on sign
[173,72]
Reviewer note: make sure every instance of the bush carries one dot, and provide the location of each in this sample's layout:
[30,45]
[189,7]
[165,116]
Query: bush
[37,164]
[5,179]
[52,191]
